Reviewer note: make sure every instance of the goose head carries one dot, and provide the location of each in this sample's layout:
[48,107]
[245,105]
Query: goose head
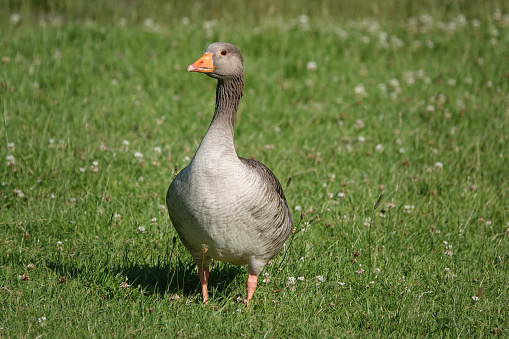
[221,60]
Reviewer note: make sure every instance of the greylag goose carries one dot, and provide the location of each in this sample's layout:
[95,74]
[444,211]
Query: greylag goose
[222,206]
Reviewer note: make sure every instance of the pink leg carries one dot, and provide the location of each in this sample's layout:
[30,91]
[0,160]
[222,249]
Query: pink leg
[252,280]
[203,272]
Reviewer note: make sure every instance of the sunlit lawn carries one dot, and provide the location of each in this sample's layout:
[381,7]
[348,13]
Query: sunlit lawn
[98,113]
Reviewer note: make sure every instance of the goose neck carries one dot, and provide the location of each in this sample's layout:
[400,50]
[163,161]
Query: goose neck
[228,94]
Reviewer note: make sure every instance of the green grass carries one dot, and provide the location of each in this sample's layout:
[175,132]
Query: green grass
[100,83]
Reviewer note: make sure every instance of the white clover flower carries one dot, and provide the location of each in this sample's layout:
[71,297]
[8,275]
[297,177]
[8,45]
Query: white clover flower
[141,229]
[426,19]
[138,155]
[125,143]
[148,22]
[303,19]
[157,150]
[319,278]
[360,91]
[10,160]
[95,166]
[311,66]
[209,25]
[19,193]
[298,208]
[394,83]
[408,208]
[15,19]
[461,20]
[341,33]
[438,166]
[410,80]
[301,278]
[396,42]
[291,281]
[475,298]
[379,148]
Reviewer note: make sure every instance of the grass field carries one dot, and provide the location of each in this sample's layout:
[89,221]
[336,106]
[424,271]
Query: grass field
[350,100]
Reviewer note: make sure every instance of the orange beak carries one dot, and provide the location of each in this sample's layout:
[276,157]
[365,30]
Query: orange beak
[202,65]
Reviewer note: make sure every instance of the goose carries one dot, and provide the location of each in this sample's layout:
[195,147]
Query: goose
[222,206]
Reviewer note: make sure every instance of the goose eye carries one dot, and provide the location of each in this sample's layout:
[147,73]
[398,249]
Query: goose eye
[224,52]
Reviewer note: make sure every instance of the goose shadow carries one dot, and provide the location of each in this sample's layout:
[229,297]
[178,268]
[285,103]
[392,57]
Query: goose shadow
[163,278]
[180,278]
